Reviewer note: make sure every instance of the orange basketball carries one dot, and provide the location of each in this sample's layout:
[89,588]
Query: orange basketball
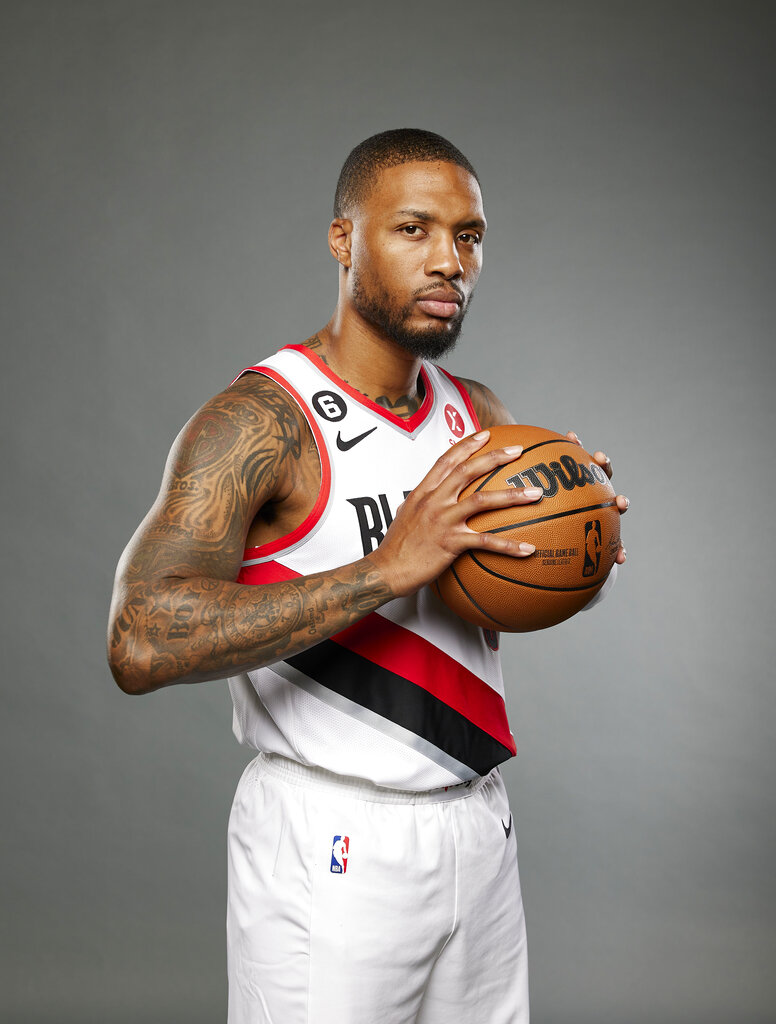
[575,526]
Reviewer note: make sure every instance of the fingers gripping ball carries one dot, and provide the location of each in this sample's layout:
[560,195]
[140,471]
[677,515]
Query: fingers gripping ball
[575,526]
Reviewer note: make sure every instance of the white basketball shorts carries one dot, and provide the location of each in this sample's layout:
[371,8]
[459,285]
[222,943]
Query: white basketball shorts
[352,904]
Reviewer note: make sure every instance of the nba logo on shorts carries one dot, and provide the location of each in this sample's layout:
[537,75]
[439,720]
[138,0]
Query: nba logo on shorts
[592,548]
[340,847]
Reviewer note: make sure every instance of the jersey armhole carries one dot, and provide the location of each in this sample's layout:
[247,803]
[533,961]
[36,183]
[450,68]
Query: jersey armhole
[290,540]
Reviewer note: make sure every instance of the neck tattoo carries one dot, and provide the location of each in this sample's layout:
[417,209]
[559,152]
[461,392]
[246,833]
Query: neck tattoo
[405,406]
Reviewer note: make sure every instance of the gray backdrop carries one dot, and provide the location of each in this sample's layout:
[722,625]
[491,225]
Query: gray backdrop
[167,180]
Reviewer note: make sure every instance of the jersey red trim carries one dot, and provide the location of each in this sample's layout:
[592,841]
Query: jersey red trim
[399,650]
[262,573]
[467,398]
[409,425]
[324,491]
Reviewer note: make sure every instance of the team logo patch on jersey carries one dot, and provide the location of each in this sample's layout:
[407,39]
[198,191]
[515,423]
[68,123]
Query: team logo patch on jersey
[454,420]
[340,848]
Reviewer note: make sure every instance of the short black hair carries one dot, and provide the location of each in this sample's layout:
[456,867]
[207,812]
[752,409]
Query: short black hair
[389,149]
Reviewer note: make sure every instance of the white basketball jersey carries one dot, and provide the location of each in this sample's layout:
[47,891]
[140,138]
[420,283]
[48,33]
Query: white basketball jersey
[410,697]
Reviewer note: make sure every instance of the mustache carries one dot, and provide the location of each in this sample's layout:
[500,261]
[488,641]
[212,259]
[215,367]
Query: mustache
[435,288]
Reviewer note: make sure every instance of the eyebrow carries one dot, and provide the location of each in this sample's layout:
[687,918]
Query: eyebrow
[423,215]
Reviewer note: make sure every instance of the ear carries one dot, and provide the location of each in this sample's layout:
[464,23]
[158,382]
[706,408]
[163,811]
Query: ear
[340,233]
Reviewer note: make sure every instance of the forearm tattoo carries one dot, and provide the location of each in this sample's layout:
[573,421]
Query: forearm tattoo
[197,629]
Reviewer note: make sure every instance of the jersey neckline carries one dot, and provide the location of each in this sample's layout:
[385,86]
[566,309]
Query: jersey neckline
[408,425]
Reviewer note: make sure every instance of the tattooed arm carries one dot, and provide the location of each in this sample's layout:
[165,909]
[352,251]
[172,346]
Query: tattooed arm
[177,616]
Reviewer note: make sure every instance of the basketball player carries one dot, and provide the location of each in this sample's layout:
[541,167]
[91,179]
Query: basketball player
[372,867]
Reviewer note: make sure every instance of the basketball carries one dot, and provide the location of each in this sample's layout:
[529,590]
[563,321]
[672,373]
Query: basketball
[575,526]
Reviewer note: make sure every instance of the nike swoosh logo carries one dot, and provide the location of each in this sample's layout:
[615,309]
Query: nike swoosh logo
[508,829]
[345,446]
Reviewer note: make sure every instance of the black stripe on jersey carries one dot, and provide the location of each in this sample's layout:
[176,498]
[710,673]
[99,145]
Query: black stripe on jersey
[397,699]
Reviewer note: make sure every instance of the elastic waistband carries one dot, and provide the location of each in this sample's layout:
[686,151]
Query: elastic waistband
[362,789]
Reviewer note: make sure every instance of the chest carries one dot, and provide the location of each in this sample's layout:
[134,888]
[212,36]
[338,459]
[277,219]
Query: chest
[358,461]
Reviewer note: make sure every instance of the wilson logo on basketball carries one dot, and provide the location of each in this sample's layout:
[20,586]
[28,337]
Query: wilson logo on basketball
[566,472]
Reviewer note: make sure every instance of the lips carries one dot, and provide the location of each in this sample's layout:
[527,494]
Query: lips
[440,304]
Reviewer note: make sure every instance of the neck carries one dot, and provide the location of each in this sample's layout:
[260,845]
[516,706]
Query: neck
[370,363]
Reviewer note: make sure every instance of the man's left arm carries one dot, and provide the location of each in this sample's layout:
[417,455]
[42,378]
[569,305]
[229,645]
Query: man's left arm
[492,412]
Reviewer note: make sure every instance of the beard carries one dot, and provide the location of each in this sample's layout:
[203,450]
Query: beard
[430,342]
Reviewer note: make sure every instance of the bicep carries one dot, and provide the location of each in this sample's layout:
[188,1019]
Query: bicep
[490,410]
[224,465]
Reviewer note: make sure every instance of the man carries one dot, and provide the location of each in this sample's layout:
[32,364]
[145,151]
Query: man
[372,877]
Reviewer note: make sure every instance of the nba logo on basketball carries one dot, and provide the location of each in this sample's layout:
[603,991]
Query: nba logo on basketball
[340,847]
[592,548]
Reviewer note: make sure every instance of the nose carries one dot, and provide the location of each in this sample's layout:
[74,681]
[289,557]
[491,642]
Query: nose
[443,258]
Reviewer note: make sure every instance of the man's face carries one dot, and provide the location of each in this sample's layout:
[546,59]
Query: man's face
[416,254]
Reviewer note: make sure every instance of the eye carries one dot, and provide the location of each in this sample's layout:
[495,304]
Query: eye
[412,230]
[469,238]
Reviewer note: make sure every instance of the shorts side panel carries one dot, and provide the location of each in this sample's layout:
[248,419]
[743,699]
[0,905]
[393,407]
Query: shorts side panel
[268,905]
[481,976]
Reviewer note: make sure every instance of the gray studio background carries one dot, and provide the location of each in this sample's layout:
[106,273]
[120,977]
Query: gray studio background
[167,177]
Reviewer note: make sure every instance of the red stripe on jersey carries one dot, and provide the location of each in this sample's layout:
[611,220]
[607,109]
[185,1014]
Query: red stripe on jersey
[467,398]
[266,572]
[289,539]
[409,425]
[406,654]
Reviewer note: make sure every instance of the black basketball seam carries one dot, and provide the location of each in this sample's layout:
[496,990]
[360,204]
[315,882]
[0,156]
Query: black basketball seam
[555,515]
[487,478]
[533,586]
[553,440]
[539,444]
[476,605]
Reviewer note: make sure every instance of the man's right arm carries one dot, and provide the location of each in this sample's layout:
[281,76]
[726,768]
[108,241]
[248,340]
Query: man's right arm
[178,617]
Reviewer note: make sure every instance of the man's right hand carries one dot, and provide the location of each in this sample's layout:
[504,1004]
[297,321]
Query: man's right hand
[430,529]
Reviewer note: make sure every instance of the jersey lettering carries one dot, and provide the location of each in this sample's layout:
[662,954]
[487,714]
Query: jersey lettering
[374,516]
